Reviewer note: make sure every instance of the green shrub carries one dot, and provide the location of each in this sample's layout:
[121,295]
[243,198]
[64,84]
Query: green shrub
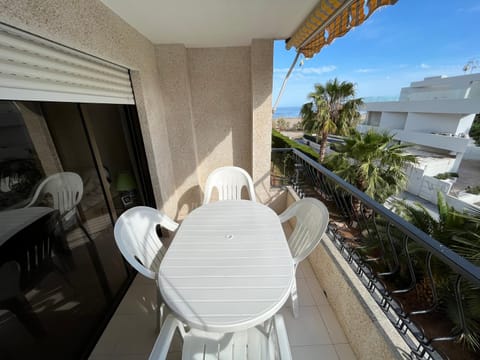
[475,130]
[281,141]
[446,175]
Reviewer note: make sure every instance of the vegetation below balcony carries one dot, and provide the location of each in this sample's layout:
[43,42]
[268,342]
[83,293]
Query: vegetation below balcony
[417,281]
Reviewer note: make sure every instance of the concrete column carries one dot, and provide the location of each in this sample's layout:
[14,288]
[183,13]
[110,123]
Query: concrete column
[40,136]
[458,160]
[172,63]
[261,79]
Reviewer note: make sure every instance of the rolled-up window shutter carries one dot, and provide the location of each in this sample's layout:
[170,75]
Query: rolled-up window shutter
[32,68]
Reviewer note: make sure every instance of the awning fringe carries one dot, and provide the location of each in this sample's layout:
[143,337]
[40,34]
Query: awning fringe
[331,19]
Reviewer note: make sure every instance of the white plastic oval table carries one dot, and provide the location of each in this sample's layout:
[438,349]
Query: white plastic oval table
[229,267]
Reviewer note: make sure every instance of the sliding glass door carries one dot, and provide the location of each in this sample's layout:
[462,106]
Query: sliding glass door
[67,171]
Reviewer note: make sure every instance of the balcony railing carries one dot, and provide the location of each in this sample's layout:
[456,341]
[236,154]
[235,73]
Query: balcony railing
[399,264]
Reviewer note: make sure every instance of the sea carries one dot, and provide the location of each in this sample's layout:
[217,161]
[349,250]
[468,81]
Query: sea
[287,112]
[294,111]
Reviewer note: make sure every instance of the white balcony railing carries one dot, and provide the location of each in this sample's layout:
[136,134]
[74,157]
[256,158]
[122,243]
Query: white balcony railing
[439,141]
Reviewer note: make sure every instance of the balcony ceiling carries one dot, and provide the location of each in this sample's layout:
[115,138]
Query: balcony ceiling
[212,23]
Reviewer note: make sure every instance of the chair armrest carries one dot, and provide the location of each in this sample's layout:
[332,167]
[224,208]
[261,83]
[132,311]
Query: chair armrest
[169,224]
[282,338]
[286,215]
[164,339]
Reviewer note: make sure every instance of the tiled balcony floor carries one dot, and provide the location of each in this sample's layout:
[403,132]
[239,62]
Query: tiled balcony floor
[315,335]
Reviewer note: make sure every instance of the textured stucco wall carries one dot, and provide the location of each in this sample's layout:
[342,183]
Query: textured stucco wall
[207,99]
[221,107]
[218,111]
[175,81]
[91,27]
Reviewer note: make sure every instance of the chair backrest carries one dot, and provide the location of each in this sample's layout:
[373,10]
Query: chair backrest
[254,343]
[311,222]
[229,182]
[136,237]
[66,189]
[34,249]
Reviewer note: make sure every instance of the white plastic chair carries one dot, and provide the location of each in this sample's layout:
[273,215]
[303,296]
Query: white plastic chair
[311,222]
[229,182]
[66,189]
[136,237]
[255,343]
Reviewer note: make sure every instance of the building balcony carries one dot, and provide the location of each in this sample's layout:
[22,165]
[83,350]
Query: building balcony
[444,88]
[315,334]
[438,141]
[185,123]
[354,303]
[432,106]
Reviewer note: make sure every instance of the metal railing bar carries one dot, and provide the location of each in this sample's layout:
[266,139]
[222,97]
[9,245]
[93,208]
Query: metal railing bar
[428,262]
[411,270]
[396,266]
[391,308]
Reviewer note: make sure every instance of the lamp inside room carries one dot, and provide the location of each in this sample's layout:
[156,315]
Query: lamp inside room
[126,186]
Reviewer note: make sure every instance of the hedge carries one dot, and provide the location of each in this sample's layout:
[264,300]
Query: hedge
[281,141]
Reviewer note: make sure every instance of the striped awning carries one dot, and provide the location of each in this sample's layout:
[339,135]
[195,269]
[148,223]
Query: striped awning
[329,20]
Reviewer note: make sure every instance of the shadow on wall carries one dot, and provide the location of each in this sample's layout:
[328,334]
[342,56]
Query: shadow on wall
[193,197]
[190,200]
[274,199]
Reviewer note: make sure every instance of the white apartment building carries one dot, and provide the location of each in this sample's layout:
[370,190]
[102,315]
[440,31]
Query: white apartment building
[435,114]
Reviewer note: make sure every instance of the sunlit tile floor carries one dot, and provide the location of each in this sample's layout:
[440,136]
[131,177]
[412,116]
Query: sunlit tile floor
[315,335]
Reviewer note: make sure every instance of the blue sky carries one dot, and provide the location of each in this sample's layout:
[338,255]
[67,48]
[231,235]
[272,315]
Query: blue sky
[397,45]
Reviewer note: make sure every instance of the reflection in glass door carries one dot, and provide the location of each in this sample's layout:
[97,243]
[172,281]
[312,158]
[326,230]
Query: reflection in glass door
[67,172]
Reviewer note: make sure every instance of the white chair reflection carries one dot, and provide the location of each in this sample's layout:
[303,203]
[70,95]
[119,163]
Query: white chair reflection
[66,190]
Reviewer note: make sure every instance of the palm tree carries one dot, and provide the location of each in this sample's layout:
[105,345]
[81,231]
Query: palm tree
[460,232]
[332,109]
[372,162]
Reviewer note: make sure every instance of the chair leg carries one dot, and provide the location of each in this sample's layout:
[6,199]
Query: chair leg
[22,309]
[160,311]
[97,264]
[82,227]
[294,297]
